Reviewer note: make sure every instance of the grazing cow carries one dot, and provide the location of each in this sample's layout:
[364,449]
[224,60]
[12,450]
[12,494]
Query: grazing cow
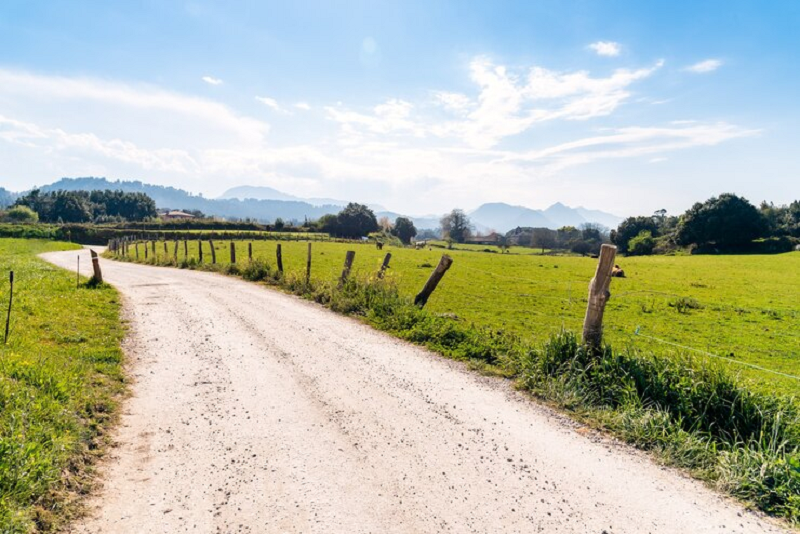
[617,272]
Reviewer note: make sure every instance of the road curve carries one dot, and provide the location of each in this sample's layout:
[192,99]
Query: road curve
[254,411]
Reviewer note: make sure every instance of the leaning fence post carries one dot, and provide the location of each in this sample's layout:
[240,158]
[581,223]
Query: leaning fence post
[308,264]
[165,247]
[213,252]
[598,296]
[280,258]
[200,250]
[10,300]
[233,252]
[348,263]
[98,276]
[385,264]
[422,298]
[175,252]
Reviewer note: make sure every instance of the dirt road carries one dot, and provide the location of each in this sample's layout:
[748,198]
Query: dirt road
[253,411]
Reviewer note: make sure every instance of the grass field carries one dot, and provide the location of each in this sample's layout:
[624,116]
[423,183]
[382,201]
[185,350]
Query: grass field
[59,375]
[745,308]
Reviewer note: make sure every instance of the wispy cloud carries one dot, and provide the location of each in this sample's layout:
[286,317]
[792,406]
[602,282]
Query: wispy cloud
[271,103]
[211,80]
[606,48]
[303,105]
[708,65]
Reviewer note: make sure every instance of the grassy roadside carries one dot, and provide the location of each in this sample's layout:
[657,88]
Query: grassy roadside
[687,411]
[60,376]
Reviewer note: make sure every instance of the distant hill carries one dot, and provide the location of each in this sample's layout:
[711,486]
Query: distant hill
[172,198]
[265,204]
[7,197]
[504,217]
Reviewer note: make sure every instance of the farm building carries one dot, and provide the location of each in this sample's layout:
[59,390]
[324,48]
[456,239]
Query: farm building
[175,214]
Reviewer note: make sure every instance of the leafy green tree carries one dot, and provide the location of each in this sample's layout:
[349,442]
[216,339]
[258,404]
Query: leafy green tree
[71,208]
[279,224]
[356,220]
[642,245]
[544,238]
[727,221]
[632,227]
[456,226]
[22,215]
[404,229]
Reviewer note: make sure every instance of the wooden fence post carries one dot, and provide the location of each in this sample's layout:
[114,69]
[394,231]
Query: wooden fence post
[308,264]
[175,252]
[213,252]
[598,296]
[233,252]
[385,264]
[200,250]
[10,300]
[348,263]
[422,298]
[98,276]
[186,249]
[280,258]
[250,252]
[136,246]
[165,247]
[145,250]
[153,243]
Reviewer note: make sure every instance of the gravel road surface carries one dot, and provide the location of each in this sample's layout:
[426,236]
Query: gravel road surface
[254,411]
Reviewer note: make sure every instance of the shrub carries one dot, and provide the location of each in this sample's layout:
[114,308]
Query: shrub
[642,245]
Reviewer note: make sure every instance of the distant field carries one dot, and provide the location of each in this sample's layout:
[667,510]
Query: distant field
[745,308]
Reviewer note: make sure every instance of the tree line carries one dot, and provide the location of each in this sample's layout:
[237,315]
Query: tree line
[82,207]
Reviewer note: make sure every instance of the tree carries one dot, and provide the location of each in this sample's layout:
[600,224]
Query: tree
[544,238]
[632,227]
[356,220]
[642,245]
[71,208]
[404,229]
[22,215]
[385,224]
[456,226]
[279,224]
[329,224]
[728,222]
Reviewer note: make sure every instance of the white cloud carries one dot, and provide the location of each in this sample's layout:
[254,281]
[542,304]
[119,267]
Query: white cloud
[456,102]
[302,105]
[271,103]
[709,65]
[606,48]
[211,80]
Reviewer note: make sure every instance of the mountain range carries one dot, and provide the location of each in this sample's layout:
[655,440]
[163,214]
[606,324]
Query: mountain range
[265,204]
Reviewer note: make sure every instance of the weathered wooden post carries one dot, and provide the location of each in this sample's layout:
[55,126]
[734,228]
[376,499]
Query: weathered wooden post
[175,252]
[598,296]
[145,250]
[233,252]
[98,276]
[186,249]
[200,250]
[385,264]
[10,300]
[436,276]
[280,258]
[136,247]
[153,243]
[308,264]
[348,264]
[165,248]
[213,252]
[249,252]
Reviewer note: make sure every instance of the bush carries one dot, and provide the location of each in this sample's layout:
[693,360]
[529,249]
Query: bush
[21,215]
[642,245]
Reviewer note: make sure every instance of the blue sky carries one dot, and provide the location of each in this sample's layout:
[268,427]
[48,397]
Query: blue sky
[418,106]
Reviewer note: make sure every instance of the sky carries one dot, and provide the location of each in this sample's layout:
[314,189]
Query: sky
[418,106]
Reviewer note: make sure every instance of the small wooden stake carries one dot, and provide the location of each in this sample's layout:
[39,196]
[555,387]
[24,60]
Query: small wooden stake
[200,250]
[385,264]
[348,264]
[98,276]
[598,296]
[186,250]
[308,264]
[153,243]
[165,247]
[233,252]
[10,300]
[436,276]
[250,252]
[175,252]
[145,250]
[280,258]
[136,246]
[213,252]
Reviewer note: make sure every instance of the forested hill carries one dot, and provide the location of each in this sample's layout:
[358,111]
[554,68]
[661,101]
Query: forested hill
[172,198]
[6,197]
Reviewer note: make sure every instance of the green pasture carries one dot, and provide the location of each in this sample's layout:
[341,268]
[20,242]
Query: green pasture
[59,375]
[745,308]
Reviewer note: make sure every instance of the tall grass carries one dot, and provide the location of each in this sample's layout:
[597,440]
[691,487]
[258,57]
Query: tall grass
[59,375]
[687,411]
